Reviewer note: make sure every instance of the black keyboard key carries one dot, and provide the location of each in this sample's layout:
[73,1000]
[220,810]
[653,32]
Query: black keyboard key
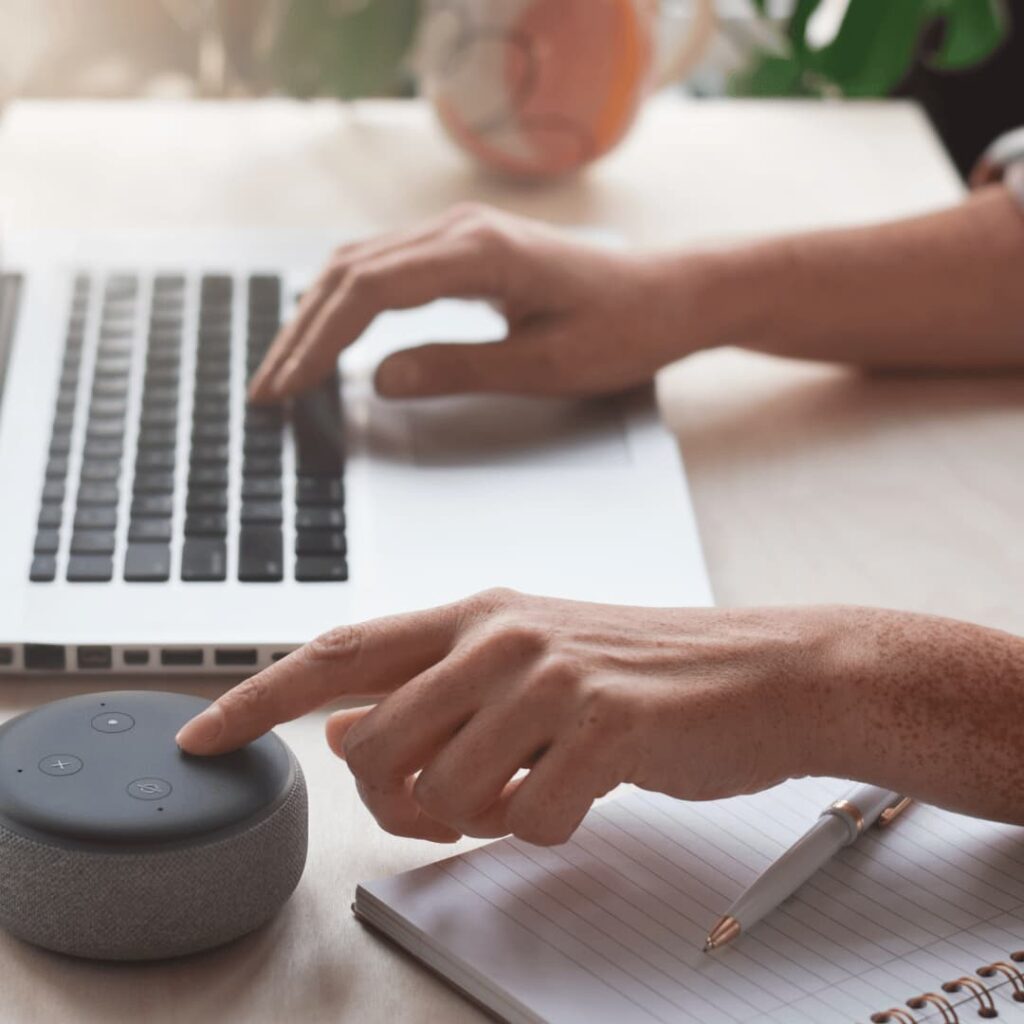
[206,524]
[97,494]
[50,516]
[148,460]
[90,568]
[92,542]
[207,453]
[60,444]
[147,563]
[320,542]
[316,418]
[102,430]
[260,554]
[44,569]
[53,490]
[260,488]
[159,416]
[261,512]
[262,443]
[261,465]
[108,408]
[156,396]
[105,448]
[204,559]
[116,388]
[152,506]
[214,389]
[313,490]
[217,433]
[57,467]
[149,530]
[154,483]
[207,499]
[319,519]
[158,437]
[257,417]
[63,423]
[321,569]
[47,542]
[210,410]
[208,476]
[101,470]
[95,518]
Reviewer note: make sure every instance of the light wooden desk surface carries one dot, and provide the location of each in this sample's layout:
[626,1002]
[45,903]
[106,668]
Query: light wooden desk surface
[810,483]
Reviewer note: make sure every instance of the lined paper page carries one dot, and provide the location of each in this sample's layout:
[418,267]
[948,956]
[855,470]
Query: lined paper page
[610,925]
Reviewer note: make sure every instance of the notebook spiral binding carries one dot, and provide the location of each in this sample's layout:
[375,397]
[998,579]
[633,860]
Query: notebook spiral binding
[980,1003]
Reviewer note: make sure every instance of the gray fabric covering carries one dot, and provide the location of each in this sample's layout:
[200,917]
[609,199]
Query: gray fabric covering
[150,905]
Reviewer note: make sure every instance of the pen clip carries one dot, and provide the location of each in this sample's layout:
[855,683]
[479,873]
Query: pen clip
[893,811]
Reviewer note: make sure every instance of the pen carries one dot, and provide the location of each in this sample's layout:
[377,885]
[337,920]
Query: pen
[838,826]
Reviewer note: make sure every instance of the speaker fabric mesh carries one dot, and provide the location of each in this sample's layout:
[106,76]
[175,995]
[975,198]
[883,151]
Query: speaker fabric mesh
[154,903]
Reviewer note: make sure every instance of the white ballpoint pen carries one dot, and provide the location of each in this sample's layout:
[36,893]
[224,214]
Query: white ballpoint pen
[839,825]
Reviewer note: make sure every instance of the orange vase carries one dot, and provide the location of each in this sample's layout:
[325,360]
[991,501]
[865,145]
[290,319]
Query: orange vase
[538,88]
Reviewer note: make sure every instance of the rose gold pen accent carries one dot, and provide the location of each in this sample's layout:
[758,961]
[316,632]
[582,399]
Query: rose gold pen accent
[727,929]
[890,814]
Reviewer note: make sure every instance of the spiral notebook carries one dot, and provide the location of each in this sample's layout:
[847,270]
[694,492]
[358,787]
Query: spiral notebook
[922,922]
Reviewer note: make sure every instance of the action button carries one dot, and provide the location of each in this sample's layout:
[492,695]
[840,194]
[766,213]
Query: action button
[60,764]
[113,721]
[149,789]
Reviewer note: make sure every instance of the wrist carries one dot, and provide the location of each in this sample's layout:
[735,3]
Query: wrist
[711,298]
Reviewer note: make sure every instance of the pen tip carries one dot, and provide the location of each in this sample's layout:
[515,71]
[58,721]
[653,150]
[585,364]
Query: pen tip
[722,934]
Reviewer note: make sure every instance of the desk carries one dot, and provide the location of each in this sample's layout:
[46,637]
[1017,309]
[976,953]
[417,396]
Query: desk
[810,483]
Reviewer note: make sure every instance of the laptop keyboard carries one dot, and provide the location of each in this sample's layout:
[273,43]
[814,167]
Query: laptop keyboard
[257,493]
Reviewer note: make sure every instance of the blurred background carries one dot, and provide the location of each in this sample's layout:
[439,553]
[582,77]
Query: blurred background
[962,59]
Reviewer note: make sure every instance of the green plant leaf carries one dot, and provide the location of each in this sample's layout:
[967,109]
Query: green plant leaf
[322,50]
[974,29]
[770,75]
[797,28]
[873,48]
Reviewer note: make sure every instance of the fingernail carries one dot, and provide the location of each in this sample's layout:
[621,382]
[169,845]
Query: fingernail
[398,377]
[203,729]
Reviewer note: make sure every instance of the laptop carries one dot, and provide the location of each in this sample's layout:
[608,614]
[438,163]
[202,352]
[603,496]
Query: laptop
[152,522]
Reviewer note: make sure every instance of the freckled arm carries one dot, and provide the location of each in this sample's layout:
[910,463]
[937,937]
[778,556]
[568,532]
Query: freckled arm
[929,707]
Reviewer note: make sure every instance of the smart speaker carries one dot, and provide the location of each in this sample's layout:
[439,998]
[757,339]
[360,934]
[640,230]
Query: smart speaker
[114,844]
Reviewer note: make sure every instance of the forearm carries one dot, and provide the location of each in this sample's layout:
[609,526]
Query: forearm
[926,706]
[943,291]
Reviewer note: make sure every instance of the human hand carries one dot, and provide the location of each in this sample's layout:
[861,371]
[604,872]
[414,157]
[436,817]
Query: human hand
[699,704]
[582,320]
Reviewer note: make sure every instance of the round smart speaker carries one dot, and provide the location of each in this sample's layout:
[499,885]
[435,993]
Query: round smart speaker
[114,844]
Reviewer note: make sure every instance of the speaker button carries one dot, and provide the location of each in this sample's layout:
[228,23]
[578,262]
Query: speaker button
[113,721]
[149,789]
[60,764]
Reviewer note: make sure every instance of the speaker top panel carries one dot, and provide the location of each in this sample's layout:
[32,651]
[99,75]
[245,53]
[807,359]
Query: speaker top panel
[104,768]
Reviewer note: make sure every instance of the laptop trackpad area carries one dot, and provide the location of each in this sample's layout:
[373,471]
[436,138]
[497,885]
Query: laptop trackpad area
[502,433]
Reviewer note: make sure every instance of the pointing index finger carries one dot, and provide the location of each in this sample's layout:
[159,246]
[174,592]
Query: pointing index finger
[369,659]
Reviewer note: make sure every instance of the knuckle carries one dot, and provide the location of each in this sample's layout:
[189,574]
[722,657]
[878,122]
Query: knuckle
[358,749]
[559,675]
[342,642]
[606,710]
[437,800]
[516,641]
[246,697]
[488,602]
[361,283]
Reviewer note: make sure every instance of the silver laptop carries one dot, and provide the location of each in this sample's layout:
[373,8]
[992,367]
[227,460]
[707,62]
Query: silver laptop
[151,522]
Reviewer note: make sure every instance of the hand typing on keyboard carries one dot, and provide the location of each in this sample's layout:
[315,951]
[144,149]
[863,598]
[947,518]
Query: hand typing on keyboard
[698,704]
[582,320]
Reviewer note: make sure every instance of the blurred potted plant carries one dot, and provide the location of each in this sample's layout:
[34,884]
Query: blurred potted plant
[876,43]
